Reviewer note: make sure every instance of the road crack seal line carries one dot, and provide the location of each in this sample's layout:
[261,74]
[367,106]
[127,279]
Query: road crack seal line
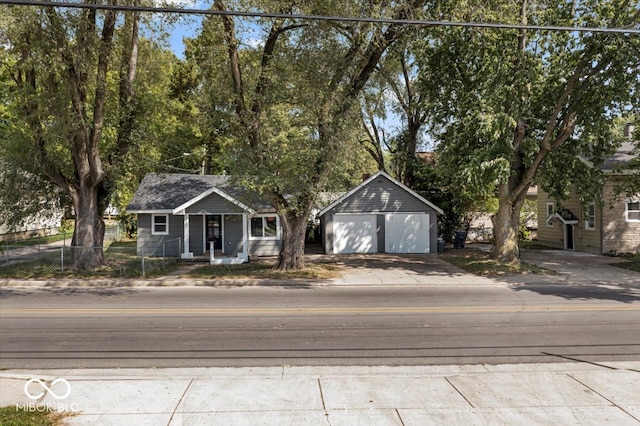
[459,392]
[324,406]
[605,398]
[579,360]
[180,401]
[400,417]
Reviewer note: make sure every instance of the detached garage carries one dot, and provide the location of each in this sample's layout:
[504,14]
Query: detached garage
[380,215]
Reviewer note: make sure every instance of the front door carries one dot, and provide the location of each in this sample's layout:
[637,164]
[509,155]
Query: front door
[214,231]
[569,237]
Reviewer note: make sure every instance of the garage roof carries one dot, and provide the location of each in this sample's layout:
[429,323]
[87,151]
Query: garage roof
[373,178]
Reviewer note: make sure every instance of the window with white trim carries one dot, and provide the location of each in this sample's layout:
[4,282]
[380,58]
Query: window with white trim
[551,209]
[632,211]
[265,227]
[160,224]
[590,219]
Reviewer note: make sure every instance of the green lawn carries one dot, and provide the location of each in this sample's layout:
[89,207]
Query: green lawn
[120,261]
[12,416]
[478,262]
[40,240]
[263,269]
[633,263]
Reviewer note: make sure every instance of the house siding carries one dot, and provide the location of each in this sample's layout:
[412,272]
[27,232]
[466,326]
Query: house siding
[612,234]
[214,204]
[380,232]
[152,245]
[585,240]
[552,236]
[618,234]
[232,235]
[196,234]
[264,247]
[379,196]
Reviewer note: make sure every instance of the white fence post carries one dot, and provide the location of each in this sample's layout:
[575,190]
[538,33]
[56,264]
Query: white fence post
[211,254]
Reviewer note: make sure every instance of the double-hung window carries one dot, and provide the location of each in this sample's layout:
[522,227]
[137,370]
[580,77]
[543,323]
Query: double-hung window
[632,211]
[265,227]
[590,219]
[160,224]
[551,209]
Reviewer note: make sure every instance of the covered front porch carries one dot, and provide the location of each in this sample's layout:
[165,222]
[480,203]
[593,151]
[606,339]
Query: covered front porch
[222,239]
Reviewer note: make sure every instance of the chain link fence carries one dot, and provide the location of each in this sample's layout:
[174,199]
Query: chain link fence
[116,258]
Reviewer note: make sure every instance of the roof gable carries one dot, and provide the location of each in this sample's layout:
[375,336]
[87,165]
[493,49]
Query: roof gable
[367,182]
[173,193]
[214,190]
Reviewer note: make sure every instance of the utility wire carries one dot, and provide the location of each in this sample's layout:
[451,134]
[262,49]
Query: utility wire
[129,8]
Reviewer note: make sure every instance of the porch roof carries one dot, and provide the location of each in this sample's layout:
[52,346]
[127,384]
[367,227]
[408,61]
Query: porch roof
[557,217]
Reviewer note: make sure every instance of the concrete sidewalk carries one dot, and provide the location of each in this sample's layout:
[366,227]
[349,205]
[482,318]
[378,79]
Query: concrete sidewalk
[521,394]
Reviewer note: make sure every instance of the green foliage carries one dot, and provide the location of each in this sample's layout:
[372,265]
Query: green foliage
[458,201]
[516,107]
[296,99]
[12,416]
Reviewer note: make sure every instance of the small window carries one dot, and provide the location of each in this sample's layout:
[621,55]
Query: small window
[551,209]
[632,211]
[160,224]
[264,227]
[590,220]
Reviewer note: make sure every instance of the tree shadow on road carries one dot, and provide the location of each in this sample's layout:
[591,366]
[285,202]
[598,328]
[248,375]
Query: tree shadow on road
[7,292]
[584,292]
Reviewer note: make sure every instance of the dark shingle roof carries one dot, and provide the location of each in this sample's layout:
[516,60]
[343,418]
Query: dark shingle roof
[622,158]
[166,191]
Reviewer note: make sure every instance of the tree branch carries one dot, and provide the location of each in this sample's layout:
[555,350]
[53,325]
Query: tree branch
[104,52]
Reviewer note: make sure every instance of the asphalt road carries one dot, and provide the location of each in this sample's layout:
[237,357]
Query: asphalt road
[191,327]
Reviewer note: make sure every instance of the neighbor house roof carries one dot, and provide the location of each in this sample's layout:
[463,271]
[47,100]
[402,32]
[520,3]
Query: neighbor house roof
[372,178]
[172,192]
[619,162]
[621,159]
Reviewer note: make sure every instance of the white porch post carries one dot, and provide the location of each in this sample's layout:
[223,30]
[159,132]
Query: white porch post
[245,237]
[186,253]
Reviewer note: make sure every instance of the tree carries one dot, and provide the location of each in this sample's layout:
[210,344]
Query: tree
[296,105]
[513,103]
[397,82]
[65,66]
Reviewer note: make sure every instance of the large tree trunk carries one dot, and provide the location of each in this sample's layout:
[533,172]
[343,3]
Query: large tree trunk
[506,223]
[294,229]
[88,235]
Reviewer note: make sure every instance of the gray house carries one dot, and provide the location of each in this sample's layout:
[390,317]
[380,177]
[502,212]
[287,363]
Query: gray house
[381,215]
[189,215]
[194,215]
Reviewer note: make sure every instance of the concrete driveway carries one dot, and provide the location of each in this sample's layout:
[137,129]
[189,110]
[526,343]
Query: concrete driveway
[397,269]
[582,268]
[429,269]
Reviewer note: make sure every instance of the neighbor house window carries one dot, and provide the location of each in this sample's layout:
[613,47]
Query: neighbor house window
[632,211]
[551,209]
[160,224]
[264,227]
[590,220]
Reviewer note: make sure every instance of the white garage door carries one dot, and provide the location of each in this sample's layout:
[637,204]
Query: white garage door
[355,233]
[406,233]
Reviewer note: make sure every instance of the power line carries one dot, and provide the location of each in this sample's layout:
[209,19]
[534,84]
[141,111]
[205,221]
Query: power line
[416,22]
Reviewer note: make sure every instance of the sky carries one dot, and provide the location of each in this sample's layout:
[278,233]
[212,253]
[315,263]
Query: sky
[189,25]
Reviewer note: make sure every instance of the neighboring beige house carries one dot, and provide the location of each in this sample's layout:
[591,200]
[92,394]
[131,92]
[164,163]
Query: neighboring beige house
[615,228]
